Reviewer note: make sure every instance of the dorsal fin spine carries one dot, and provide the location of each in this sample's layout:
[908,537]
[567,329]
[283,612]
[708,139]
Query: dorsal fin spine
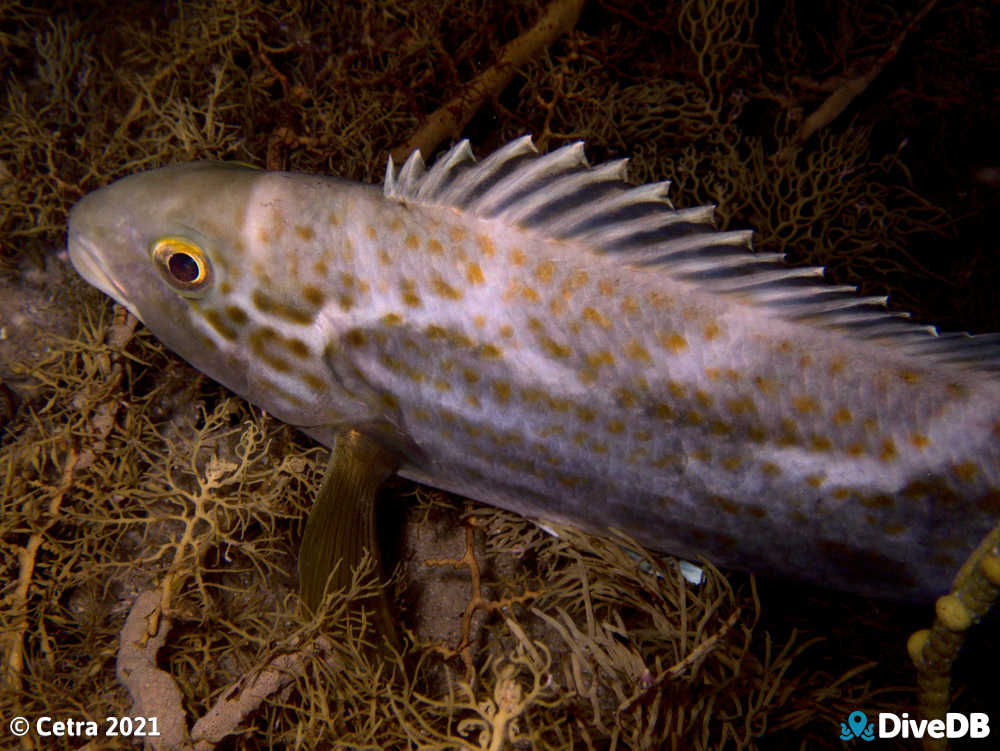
[526,180]
[439,172]
[464,186]
[610,173]
[569,225]
[701,215]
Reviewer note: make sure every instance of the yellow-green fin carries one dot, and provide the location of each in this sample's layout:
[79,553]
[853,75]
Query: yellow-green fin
[341,526]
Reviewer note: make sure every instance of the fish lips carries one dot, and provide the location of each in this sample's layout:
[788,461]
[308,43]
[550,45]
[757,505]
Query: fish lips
[87,262]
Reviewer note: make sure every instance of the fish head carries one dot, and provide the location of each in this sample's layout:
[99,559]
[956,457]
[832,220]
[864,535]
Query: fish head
[176,247]
[156,240]
[162,243]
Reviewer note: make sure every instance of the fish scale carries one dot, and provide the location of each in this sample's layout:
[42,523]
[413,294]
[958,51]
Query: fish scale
[543,338]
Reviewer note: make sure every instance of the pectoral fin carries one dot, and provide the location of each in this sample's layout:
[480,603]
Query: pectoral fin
[341,526]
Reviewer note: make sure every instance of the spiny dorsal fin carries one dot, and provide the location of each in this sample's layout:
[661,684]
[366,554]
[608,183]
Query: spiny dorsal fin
[559,195]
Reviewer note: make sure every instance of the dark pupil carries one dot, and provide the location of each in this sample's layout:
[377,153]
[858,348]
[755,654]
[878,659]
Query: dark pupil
[183,267]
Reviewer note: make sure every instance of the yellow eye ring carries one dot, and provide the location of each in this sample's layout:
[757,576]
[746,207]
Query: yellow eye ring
[183,265]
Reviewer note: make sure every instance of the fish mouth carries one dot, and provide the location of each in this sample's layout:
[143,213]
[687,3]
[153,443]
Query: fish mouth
[87,263]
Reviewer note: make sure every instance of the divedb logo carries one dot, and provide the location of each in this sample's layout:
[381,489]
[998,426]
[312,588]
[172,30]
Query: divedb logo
[954,725]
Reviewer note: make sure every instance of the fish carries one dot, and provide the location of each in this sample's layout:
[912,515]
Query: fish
[530,331]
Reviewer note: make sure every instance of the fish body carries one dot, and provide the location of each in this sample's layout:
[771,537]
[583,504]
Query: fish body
[532,333]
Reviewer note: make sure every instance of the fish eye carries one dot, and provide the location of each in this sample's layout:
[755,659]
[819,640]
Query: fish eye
[183,264]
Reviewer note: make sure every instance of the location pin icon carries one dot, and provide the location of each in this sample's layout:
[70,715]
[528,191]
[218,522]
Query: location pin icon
[857,721]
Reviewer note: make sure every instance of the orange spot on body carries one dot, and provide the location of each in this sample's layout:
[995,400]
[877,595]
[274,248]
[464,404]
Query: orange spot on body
[313,295]
[888,450]
[805,404]
[597,359]
[486,246]
[529,293]
[663,411]
[789,433]
[659,301]
[626,398]
[842,416]
[594,316]
[573,282]
[720,428]
[409,294]
[544,271]
[820,443]
[553,348]
[441,288]
[629,306]
[672,342]
[637,352]
[474,274]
